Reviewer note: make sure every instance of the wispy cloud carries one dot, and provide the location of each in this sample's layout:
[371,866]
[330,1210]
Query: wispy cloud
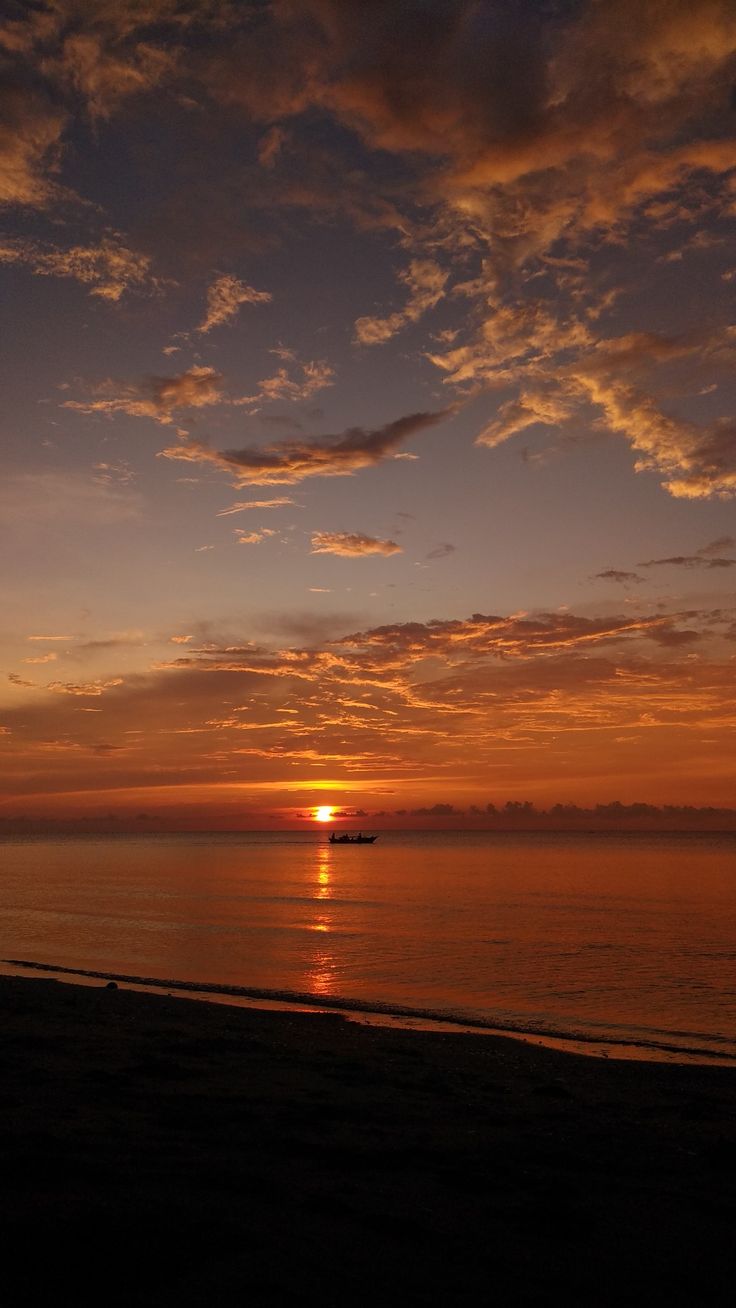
[224,298]
[563,373]
[30,499]
[119,473]
[241,506]
[311,377]
[426,282]
[718,546]
[109,268]
[87,689]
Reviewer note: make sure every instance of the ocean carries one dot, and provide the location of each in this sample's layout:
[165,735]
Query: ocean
[619,943]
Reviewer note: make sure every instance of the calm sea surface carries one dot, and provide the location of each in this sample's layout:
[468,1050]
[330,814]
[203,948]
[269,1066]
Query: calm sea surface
[621,938]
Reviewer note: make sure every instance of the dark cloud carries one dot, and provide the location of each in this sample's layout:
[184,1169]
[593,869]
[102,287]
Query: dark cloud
[615,574]
[718,546]
[508,637]
[292,461]
[437,810]
[700,560]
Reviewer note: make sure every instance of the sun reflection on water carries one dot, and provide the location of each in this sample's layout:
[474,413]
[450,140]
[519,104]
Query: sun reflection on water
[323,887]
[322,965]
[321,974]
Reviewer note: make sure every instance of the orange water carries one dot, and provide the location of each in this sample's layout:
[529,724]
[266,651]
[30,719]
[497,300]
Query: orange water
[622,938]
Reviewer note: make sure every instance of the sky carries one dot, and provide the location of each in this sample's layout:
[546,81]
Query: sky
[368,431]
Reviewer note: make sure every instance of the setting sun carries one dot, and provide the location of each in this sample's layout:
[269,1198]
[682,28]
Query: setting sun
[324,813]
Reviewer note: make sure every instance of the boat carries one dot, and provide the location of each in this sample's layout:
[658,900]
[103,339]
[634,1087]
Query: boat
[346,839]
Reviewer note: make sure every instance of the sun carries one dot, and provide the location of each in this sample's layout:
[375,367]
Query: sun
[323,813]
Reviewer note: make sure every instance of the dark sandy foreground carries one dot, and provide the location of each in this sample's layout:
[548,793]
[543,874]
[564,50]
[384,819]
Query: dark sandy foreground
[163,1151]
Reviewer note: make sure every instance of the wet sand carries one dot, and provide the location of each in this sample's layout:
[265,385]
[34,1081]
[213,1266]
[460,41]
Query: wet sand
[158,1150]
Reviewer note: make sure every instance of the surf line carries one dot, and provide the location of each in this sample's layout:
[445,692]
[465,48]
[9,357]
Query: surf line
[460,1021]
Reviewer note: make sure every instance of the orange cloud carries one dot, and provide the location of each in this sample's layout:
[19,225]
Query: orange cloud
[253,537]
[196,387]
[224,298]
[157,397]
[104,76]
[312,377]
[698,462]
[559,372]
[89,688]
[350,544]
[109,268]
[30,132]
[426,282]
[536,696]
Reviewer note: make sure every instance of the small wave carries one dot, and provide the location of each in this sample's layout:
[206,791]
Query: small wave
[628,1046]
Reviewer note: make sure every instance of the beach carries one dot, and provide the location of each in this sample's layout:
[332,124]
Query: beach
[164,1150]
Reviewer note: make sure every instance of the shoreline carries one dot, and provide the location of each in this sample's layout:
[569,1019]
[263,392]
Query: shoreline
[161,1151]
[398,1016]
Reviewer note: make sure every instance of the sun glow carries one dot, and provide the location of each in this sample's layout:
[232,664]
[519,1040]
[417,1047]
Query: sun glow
[323,813]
